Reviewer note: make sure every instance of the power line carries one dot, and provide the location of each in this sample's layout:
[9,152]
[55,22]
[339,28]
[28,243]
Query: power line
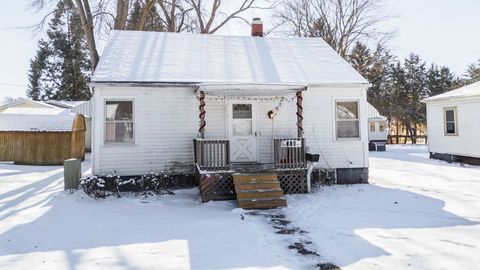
[13,84]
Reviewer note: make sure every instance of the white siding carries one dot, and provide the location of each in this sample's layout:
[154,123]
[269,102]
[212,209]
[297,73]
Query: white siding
[377,135]
[467,143]
[166,121]
[320,130]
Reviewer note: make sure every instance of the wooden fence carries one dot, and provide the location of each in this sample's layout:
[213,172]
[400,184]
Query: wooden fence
[43,147]
[407,139]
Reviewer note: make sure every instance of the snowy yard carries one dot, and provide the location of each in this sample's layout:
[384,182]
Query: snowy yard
[416,214]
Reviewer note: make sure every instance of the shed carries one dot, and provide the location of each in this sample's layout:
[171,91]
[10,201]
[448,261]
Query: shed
[41,136]
[454,125]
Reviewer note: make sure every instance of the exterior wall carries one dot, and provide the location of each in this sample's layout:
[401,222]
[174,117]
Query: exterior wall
[467,143]
[282,126]
[166,121]
[88,134]
[377,135]
[320,127]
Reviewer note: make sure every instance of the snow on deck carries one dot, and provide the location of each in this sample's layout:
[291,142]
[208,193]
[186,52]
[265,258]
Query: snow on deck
[417,214]
[131,56]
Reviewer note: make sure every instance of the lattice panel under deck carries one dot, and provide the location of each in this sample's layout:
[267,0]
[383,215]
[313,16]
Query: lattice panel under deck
[293,182]
[217,186]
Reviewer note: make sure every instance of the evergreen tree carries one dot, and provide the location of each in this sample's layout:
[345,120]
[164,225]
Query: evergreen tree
[411,89]
[473,73]
[374,67]
[440,80]
[61,69]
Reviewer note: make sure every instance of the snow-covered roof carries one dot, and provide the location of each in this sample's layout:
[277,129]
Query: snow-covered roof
[373,113]
[154,57]
[28,102]
[65,103]
[471,90]
[39,111]
[28,119]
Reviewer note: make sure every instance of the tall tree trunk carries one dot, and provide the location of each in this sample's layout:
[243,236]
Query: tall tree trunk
[122,15]
[85,13]
[397,132]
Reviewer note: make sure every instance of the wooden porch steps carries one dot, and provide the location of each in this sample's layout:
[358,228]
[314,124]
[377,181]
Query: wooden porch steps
[258,191]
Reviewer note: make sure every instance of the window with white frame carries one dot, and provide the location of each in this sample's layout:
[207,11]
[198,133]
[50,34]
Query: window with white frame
[450,117]
[372,126]
[119,121]
[347,120]
[383,124]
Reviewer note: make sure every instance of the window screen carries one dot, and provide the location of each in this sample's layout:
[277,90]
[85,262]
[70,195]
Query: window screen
[118,121]
[348,124]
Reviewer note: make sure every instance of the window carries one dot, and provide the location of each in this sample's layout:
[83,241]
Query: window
[450,116]
[383,124]
[118,121]
[242,119]
[372,126]
[348,126]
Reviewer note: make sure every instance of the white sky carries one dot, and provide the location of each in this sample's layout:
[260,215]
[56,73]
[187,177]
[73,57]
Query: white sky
[445,32]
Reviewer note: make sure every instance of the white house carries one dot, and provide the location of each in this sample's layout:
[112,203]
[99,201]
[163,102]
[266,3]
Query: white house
[377,129]
[156,92]
[453,120]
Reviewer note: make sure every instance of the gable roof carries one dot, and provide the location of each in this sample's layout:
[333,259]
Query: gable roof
[155,57]
[468,91]
[373,113]
[32,103]
[64,103]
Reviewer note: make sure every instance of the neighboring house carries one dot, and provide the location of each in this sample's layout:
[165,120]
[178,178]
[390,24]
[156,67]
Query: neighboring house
[245,100]
[25,103]
[41,136]
[377,129]
[453,120]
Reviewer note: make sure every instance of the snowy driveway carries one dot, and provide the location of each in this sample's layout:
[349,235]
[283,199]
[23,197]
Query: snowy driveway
[416,214]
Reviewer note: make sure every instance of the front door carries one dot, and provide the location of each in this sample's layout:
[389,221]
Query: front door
[242,129]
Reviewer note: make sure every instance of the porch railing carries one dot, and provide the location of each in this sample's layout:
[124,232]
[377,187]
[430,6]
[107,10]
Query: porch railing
[212,155]
[289,153]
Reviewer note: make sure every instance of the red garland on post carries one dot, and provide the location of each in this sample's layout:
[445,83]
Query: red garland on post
[300,114]
[201,108]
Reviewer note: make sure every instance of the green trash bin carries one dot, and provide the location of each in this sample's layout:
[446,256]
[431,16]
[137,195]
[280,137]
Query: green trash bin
[72,171]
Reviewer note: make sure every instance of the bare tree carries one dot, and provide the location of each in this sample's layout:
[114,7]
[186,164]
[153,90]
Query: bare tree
[341,23]
[212,15]
[98,17]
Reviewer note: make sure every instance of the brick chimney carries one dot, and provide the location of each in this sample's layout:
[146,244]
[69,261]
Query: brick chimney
[257,27]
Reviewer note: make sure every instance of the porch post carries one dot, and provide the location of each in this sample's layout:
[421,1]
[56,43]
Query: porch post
[299,114]
[201,107]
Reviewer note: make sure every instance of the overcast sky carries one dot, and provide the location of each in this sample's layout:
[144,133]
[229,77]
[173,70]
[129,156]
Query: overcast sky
[445,32]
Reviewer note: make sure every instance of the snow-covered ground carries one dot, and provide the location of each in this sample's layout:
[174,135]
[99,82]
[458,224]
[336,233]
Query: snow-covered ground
[416,214]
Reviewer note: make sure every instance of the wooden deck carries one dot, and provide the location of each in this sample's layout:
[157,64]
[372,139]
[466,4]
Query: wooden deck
[254,185]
